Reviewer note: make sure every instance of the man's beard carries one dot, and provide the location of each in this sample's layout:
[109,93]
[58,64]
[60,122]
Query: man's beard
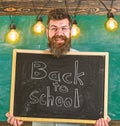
[59,49]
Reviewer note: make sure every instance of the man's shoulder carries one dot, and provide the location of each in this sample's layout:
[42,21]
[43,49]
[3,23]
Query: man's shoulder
[73,50]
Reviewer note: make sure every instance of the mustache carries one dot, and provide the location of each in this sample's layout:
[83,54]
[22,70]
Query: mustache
[59,36]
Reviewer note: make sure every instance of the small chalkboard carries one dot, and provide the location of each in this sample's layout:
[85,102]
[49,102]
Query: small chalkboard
[71,89]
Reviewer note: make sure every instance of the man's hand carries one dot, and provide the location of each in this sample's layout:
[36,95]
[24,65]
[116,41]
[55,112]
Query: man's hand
[103,122]
[13,121]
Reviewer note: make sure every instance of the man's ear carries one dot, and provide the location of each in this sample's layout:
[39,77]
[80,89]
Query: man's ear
[47,32]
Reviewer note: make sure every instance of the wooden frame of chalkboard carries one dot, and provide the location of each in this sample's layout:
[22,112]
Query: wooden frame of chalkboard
[69,89]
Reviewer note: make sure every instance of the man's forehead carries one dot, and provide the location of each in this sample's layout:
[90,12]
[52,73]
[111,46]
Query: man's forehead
[62,22]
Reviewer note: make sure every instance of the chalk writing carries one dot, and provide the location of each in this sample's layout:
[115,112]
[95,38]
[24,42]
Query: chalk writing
[39,71]
[50,100]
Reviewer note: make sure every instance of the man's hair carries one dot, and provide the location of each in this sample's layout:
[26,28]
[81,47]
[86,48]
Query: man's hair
[58,14]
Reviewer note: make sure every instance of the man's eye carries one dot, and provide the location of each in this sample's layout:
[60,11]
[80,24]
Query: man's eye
[53,29]
[65,28]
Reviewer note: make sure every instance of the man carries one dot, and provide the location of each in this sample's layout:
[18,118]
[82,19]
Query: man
[58,32]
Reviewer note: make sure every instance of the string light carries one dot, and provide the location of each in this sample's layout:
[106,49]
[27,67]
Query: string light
[12,36]
[75,31]
[111,24]
[39,27]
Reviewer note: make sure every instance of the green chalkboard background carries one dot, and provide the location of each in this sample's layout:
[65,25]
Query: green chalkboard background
[94,37]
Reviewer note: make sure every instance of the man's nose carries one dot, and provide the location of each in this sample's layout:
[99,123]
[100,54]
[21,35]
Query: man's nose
[59,31]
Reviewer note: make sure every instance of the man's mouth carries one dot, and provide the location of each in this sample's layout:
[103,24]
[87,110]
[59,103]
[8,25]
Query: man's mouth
[59,39]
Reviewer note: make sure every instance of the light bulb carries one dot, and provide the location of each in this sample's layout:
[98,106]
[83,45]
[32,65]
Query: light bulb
[111,24]
[39,27]
[75,31]
[12,36]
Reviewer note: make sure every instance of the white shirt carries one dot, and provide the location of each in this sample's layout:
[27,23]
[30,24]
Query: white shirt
[56,124]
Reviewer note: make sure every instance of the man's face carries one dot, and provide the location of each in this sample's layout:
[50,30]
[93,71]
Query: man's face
[59,36]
